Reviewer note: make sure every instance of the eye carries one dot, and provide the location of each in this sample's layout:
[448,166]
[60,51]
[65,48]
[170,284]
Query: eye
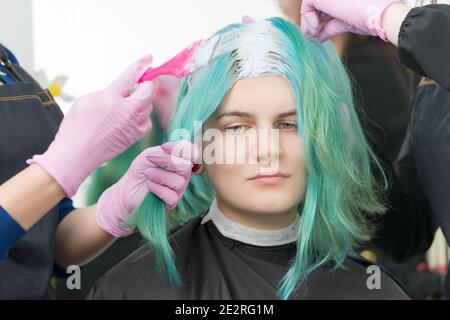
[236,129]
[288,126]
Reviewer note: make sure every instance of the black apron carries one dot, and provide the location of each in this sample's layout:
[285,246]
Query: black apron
[215,267]
[29,120]
[431,148]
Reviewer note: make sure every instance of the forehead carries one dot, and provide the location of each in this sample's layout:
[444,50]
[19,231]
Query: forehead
[259,95]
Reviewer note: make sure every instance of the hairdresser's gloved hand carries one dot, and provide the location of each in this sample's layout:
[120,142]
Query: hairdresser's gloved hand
[247,19]
[98,127]
[323,19]
[162,170]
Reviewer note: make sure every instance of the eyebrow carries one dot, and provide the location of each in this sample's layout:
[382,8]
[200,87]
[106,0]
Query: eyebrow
[250,115]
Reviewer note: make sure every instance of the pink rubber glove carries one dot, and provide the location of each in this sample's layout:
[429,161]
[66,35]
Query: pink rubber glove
[247,19]
[162,170]
[98,127]
[323,19]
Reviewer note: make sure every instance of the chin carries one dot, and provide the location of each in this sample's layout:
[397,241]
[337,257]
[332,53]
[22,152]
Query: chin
[270,204]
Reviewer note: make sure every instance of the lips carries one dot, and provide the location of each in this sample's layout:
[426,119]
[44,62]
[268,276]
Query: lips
[269,179]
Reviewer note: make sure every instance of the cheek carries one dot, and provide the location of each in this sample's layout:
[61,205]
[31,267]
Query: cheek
[225,163]
[295,160]
[226,179]
[292,146]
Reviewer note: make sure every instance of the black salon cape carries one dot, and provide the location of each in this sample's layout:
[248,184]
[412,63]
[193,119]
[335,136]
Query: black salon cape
[213,266]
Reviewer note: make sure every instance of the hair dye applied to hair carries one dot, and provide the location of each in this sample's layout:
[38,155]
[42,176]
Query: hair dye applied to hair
[340,189]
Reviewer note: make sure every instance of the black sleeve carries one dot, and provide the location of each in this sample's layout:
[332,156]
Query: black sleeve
[407,228]
[424,42]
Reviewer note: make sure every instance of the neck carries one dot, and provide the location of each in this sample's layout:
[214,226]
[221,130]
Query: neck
[251,233]
[256,220]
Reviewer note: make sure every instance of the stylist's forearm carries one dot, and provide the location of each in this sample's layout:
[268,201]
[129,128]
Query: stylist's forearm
[392,20]
[29,195]
[79,239]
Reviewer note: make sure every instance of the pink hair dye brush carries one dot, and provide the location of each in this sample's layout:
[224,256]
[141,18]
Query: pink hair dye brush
[195,56]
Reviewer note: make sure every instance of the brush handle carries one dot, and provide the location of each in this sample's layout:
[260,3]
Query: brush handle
[179,66]
[153,73]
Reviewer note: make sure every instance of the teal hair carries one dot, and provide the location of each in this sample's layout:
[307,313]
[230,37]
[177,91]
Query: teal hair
[341,189]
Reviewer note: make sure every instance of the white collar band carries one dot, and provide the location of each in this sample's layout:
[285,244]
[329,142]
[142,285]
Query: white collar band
[257,237]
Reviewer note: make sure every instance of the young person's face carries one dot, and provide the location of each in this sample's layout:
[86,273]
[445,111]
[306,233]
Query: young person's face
[260,113]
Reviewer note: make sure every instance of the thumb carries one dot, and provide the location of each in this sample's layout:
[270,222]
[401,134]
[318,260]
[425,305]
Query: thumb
[123,84]
[333,28]
[309,19]
[310,23]
[141,99]
[144,90]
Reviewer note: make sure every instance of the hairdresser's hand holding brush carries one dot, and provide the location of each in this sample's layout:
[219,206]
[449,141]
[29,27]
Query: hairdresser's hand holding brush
[162,170]
[323,19]
[98,127]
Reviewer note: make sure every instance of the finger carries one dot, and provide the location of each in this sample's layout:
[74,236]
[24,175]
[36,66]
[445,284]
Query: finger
[167,195]
[166,178]
[183,149]
[171,163]
[143,95]
[333,28]
[123,84]
[246,19]
[310,19]
[176,156]
[145,90]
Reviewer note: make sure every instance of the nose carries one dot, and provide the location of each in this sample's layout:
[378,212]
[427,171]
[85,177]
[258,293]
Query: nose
[267,149]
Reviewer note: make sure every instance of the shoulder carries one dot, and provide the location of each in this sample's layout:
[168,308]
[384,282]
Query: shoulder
[10,55]
[133,276]
[357,279]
